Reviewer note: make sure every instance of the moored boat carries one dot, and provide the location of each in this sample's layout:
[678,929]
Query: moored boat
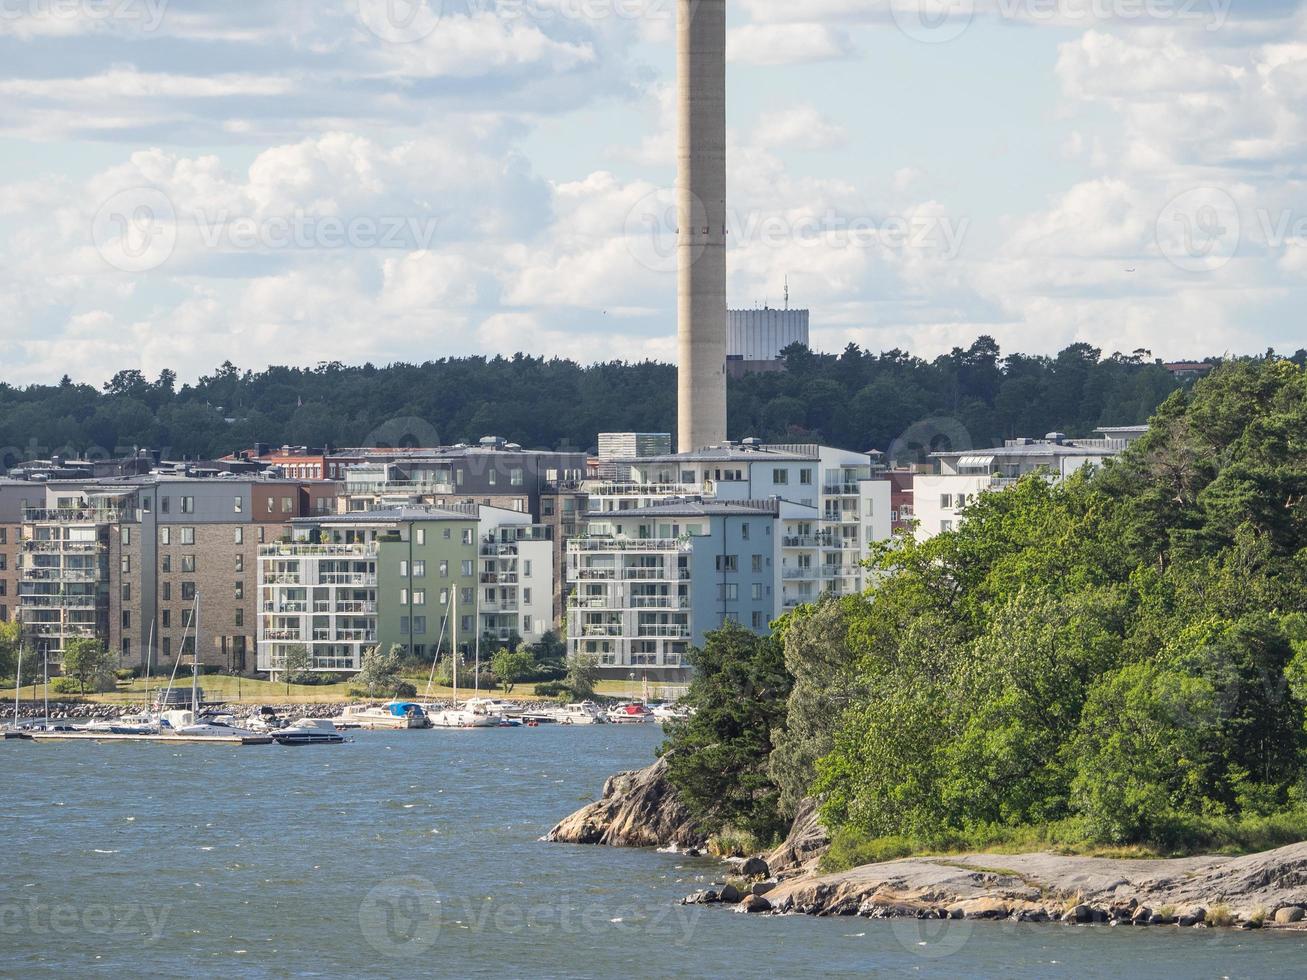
[633,713]
[308,731]
[582,713]
[392,716]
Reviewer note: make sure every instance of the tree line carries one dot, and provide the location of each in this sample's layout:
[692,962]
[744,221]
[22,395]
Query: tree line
[855,400]
[1120,659]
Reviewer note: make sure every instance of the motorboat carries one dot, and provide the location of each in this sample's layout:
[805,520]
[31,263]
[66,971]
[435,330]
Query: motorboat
[128,725]
[174,726]
[392,716]
[264,719]
[670,711]
[582,713]
[633,713]
[457,717]
[308,731]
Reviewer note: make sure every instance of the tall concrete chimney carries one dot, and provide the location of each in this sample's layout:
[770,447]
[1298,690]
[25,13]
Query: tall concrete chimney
[701,222]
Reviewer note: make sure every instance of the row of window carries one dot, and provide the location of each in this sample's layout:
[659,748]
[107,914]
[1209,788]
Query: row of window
[730,592]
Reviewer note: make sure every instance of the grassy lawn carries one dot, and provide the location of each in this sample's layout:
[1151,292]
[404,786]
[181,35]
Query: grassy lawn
[219,687]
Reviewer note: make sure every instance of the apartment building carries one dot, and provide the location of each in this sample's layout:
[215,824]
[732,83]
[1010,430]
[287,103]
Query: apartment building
[940,499]
[14,495]
[648,584]
[422,577]
[850,497]
[150,564]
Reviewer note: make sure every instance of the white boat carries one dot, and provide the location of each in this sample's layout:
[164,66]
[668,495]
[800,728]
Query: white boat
[392,716]
[633,713]
[464,718]
[582,713]
[308,731]
[663,713]
[128,725]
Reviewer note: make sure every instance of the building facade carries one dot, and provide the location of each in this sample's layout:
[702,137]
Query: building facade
[648,584]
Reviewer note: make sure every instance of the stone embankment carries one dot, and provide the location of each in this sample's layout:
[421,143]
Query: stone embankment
[1268,890]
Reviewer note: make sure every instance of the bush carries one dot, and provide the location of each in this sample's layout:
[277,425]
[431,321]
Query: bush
[65,685]
[127,673]
[552,689]
[850,849]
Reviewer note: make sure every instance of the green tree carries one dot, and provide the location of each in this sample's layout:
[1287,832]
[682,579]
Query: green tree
[718,759]
[10,644]
[379,675]
[511,666]
[582,675]
[296,665]
[88,662]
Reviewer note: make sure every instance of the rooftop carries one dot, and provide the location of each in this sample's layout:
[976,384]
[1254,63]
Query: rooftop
[692,508]
[392,515]
[736,452]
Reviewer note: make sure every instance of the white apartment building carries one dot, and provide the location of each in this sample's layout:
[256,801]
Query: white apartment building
[940,499]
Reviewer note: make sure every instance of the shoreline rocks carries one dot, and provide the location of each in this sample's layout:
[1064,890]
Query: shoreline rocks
[637,809]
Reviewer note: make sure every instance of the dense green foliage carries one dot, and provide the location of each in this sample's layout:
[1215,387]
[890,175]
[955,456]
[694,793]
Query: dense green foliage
[90,664]
[854,400]
[10,640]
[718,758]
[1116,661]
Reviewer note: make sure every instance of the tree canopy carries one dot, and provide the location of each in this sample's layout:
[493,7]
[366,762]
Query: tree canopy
[855,400]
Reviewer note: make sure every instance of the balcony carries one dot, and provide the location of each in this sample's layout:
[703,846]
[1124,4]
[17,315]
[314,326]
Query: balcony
[294,635]
[593,630]
[499,607]
[595,602]
[615,489]
[805,541]
[58,575]
[355,636]
[283,578]
[73,515]
[670,632]
[361,579]
[616,545]
[841,489]
[499,578]
[800,573]
[346,608]
[658,602]
[66,630]
[64,547]
[285,607]
[291,550]
[595,574]
[57,601]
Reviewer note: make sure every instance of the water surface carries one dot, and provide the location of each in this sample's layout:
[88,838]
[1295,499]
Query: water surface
[417,853]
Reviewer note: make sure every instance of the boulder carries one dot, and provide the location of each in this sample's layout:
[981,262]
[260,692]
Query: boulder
[763,887]
[1080,915]
[638,809]
[730,894]
[986,907]
[1156,919]
[1289,915]
[1143,915]
[804,845]
[754,904]
[707,897]
[755,867]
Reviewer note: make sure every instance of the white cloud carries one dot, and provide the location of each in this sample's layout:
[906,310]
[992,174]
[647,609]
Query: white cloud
[787,44]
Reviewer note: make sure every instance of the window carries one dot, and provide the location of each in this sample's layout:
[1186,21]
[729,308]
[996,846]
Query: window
[403,568]
[240,616]
[467,535]
[419,625]
[758,621]
[188,535]
[165,535]
[444,569]
[188,505]
[404,623]
[240,563]
[526,596]
[458,476]
[419,569]
[127,646]
[145,504]
[188,591]
[780,477]
[805,477]
[464,622]
[403,599]
[238,535]
[421,535]
[757,591]
[127,564]
[167,594]
[127,619]
[237,505]
[127,592]
[871,508]
[515,476]
[127,536]
[757,563]
[491,477]
[744,530]
[727,563]
[288,505]
[467,568]
[261,530]
[188,563]
[444,597]
[465,596]
[167,646]
[163,505]
[239,590]
[946,501]
[526,568]
[165,563]
[167,618]
[945,526]
[447,534]
[419,597]
[272,506]
[730,592]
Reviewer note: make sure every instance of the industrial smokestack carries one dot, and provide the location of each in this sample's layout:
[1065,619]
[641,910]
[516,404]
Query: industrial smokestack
[701,221]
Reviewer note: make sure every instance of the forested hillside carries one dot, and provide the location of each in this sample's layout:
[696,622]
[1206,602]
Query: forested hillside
[856,400]
[1119,660]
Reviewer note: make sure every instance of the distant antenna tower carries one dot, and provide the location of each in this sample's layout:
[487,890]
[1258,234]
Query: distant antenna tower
[787,292]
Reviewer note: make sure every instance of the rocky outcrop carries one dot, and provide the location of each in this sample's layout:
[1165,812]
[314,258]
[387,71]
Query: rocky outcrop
[638,809]
[1254,889]
[804,846]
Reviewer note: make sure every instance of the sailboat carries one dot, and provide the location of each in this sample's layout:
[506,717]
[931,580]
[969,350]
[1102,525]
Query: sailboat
[469,717]
[13,731]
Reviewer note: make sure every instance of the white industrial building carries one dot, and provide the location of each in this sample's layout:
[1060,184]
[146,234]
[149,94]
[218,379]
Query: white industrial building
[755,338]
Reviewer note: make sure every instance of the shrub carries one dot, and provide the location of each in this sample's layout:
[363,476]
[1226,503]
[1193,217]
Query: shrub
[127,673]
[552,689]
[65,685]
[851,849]
[1219,915]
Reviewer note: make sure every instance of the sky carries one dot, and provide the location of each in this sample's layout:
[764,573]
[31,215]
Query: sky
[185,182]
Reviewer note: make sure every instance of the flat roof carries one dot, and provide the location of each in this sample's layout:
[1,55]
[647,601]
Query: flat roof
[690,508]
[390,515]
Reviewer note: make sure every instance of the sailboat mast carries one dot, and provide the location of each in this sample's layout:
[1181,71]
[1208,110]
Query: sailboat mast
[149,649]
[195,666]
[457,654]
[18,682]
[46,671]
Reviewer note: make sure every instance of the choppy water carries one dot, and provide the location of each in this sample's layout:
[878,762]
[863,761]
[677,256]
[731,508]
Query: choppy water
[417,854]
